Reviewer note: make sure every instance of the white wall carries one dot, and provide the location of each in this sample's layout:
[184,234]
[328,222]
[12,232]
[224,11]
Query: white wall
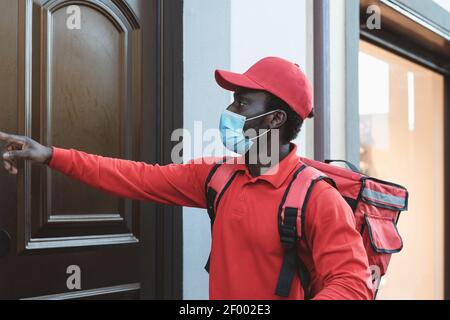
[206,48]
[337,79]
[261,28]
[444,4]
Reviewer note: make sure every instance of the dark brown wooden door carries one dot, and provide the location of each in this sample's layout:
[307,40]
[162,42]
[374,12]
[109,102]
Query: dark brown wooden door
[101,76]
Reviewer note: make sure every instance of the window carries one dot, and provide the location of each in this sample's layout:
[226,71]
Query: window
[402,140]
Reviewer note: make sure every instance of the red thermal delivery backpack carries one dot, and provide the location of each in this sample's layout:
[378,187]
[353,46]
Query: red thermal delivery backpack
[376,205]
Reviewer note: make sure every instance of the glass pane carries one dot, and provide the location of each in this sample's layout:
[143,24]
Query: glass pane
[444,4]
[402,140]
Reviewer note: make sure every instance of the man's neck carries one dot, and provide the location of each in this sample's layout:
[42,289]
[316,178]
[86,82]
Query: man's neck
[256,169]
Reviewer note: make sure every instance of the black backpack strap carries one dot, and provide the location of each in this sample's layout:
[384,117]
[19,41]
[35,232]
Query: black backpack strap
[211,195]
[288,235]
[210,192]
[213,199]
[292,263]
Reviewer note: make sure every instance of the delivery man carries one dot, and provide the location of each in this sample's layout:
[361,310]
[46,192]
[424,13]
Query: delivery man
[246,254]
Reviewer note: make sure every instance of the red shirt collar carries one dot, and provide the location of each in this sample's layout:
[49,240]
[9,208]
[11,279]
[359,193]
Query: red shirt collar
[277,174]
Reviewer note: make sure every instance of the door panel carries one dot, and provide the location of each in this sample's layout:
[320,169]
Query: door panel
[83,76]
[82,89]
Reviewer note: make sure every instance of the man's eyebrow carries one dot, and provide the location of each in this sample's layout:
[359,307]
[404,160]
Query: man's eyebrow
[240,96]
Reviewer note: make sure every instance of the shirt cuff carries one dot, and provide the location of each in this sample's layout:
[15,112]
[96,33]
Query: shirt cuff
[61,160]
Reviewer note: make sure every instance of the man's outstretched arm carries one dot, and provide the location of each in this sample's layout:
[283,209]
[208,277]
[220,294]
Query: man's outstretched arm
[175,184]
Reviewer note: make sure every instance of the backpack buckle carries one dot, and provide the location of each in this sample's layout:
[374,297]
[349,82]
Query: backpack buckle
[288,236]
[288,229]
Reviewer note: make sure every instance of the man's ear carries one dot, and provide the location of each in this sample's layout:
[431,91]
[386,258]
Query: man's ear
[278,119]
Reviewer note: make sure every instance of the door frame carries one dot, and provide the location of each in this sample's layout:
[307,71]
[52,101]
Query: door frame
[163,75]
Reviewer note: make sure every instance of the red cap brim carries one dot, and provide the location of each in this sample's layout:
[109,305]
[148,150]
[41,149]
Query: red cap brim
[233,81]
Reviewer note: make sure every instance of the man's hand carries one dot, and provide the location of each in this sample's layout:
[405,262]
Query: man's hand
[22,148]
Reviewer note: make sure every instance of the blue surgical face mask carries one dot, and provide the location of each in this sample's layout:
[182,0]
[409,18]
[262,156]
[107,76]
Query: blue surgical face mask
[232,131]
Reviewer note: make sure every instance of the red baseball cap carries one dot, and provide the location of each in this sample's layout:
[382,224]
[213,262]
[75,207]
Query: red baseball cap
[278,76]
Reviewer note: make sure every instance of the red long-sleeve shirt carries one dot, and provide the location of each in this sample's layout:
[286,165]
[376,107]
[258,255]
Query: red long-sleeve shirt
[246,253]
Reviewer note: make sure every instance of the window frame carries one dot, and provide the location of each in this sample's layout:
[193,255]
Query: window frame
[410,18]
